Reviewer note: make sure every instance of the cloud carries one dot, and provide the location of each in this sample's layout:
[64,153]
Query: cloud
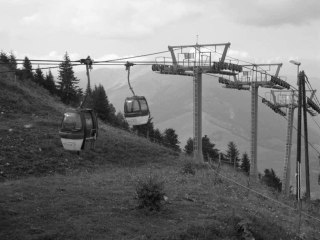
[237,53]
[272,12]
[29,19]
[106,18]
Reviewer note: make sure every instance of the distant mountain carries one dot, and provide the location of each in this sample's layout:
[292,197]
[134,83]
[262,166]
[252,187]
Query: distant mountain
[226,113]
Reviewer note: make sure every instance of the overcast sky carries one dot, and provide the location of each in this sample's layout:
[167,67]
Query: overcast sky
[259,30]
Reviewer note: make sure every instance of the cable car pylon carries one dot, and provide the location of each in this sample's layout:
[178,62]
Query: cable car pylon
[255,78]
[288,99]
[194,60]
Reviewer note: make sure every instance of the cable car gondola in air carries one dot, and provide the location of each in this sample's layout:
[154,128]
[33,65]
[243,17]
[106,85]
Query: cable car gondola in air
[79,125]
[136,110]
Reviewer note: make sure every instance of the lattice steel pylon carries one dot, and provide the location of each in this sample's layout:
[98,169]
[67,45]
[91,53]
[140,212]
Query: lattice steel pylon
[258,78]
[287,99]
[197,113]
[194,60]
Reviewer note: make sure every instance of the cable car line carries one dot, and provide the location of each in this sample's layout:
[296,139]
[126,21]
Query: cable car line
[138,56]
[117,62]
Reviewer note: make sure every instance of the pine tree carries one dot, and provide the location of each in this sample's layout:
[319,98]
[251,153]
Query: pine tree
[12,61]
[4,58]
[170,139]
[208,149]
[245,163]
[68,90]
[49,83]
[233,153]
[27,69]
[101,103]
[157,136]
[270,179]
[188,148]
[39,78]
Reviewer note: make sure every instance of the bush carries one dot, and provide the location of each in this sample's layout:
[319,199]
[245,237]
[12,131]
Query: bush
[188,168]
[270,179]
[150,193]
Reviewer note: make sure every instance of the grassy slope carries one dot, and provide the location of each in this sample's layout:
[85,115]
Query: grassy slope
[48,193]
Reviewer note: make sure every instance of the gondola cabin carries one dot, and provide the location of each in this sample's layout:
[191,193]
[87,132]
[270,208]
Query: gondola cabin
[136,110]
[78,127]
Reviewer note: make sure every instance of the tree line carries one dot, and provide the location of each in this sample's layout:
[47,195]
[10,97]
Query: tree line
[232,157]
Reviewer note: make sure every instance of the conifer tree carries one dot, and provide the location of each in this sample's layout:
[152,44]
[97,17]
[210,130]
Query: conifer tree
[12,61]
[271,179]
[39,77]
[233,153]
[27,69]
[49,83]
[157,136]
[208,149]
[67,86]
[170,139]
[188,148]
[245,163]
[4,57]
[101,103]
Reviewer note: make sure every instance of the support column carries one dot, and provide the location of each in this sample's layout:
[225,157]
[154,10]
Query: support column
[287,159]
[298,163]
[254,129]
[197,114]
[306,143]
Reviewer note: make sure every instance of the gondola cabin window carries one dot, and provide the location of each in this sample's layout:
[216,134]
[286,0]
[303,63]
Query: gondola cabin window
[135,106]
[71,122]
[144,106]
[129,106]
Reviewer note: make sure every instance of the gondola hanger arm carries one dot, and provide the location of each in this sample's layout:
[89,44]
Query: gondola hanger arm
[128,65]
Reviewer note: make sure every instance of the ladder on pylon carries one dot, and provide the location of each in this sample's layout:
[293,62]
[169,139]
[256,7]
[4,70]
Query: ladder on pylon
[254,127]
[287,162]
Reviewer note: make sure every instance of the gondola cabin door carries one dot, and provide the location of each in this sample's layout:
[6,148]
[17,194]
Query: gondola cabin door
[78,127]
[136,110]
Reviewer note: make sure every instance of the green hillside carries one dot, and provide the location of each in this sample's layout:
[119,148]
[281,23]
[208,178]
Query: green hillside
[49,193]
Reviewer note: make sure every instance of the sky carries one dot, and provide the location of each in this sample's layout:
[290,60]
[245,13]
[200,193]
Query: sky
[260,31]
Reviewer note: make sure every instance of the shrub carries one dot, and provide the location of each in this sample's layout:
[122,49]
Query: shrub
[188,168]
[270,179]
[150,193]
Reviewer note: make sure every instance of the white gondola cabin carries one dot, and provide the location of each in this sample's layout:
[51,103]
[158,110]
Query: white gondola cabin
[78,126]
[136,110]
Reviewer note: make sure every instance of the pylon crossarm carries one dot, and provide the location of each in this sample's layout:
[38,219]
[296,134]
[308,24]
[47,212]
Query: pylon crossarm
[313,105]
